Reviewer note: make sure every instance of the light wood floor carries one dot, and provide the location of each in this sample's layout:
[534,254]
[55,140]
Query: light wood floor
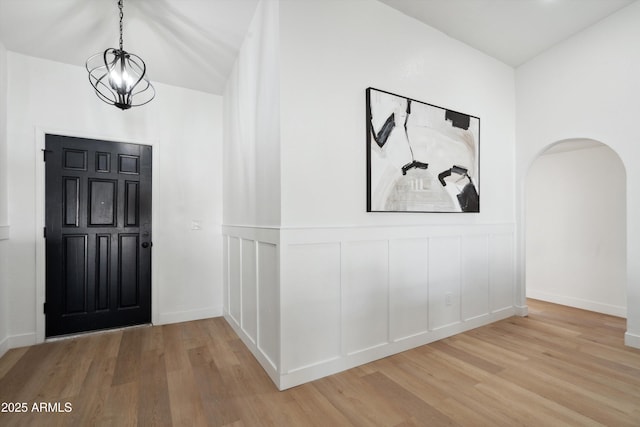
[559,366]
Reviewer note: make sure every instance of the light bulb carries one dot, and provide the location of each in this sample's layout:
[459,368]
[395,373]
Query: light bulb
[119,79]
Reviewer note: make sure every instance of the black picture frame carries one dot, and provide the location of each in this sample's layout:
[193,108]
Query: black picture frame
[420,157]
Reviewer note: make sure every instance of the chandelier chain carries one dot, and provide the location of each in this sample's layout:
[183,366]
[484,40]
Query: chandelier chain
[121,17]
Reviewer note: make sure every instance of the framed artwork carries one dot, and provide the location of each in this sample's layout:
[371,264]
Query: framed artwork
[420,157]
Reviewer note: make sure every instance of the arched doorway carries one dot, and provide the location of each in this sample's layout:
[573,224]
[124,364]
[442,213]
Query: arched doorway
[575,235]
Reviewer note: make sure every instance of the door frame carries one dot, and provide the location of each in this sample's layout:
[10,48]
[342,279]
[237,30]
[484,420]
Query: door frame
[40,267]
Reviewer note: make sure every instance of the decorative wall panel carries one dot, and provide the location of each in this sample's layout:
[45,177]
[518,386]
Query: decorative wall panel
[444,281]
[313,301]
[235,276]
[365,295]
[347,296]
[251,290]
[409,287]
[474,268]
[501,275]
[269,302]
[249,319]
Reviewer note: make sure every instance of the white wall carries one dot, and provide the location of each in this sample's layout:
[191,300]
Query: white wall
[4,211]
[4,224]
[351,286]
[587,87]
[331,51]
[360,285]
[252,126]
[252,189]
[184,127]
[576,225]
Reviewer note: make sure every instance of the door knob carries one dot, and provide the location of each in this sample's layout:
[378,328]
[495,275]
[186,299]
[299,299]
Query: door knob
[146,244]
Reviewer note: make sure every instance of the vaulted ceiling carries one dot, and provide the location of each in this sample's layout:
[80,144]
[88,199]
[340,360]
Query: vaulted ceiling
[187,43]
[193,43]
[512,31]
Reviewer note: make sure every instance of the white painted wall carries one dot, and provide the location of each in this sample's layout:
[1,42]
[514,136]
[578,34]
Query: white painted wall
[251,175]
[397,280]
[350,287]
[587,87]
[576,225]
[251,167]
[4,211]
[4,223]
[184,127]
[331,51]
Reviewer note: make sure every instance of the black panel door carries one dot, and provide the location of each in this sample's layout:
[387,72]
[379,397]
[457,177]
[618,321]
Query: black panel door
[98,234]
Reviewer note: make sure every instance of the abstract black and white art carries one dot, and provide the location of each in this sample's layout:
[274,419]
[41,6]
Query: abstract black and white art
[420,157]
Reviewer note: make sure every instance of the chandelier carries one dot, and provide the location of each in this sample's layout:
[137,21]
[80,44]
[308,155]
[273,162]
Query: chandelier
[118,76]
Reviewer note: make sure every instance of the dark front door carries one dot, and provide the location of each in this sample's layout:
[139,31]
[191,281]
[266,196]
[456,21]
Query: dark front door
[98,234]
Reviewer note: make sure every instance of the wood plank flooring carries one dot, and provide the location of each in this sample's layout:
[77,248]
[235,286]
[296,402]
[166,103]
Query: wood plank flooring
[559,366]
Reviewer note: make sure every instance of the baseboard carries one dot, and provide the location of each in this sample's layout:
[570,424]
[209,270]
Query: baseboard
[15,341]
[632,340]
[189,315]
[22,340]
[580,303]
[270,368]
[521,310]
[304,374]
[4,346]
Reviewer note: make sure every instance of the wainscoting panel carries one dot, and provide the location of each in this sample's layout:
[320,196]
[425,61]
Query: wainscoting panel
[501,271]
[365,295]
[249,283]
[474,268]
[252,291]
[409,287]
[269,302]
[235,275]
[226,277]
[316,301]
[444,281]
[311,305]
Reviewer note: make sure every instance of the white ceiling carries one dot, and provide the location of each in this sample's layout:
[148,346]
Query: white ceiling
[187,43]
[193,43]
[512,31]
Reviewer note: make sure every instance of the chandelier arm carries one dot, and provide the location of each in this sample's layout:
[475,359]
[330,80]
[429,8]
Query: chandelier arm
[101,95]
[147,101]
[131,60]
[110,65]
[149,86]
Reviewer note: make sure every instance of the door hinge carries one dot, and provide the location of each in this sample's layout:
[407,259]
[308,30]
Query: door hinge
[44,232]
[44,154]
[44,308]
